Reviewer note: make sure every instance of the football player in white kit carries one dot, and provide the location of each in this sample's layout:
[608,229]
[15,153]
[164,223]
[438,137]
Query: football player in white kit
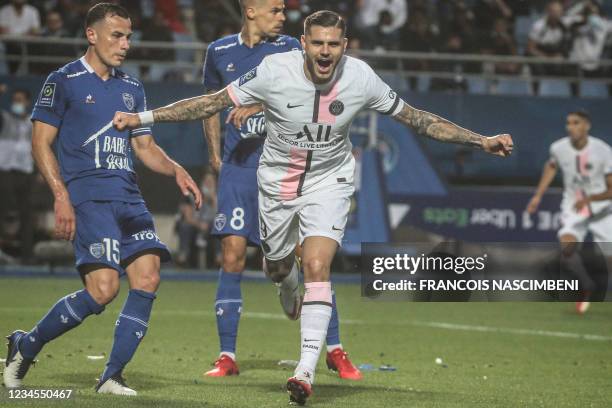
[586,165]
[305,173]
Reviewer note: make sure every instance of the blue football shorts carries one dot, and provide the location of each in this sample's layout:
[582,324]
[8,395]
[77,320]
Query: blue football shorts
[111,232]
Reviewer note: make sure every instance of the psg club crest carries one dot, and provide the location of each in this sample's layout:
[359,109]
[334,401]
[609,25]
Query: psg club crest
[336,108]
[96,250]
[220,221]
[128,99]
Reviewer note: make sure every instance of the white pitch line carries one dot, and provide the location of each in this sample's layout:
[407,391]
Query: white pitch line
[434,325]
[507,330]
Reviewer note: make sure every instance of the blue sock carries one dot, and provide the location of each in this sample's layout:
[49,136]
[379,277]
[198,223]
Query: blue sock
[130,328]
[333,330]
[228,306]
[66,314]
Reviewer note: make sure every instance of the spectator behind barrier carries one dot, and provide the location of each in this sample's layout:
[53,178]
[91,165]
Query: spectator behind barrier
[54,28]
[18,18]
[16,176]
[196,246]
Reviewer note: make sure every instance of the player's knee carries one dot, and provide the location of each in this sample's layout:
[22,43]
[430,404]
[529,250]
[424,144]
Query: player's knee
[233,262]
[148,281]
[568,248]
[233,257]
[316,269]
[278,270]
[104,289]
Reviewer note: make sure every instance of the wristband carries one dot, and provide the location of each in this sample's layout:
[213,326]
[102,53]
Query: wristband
[146,118]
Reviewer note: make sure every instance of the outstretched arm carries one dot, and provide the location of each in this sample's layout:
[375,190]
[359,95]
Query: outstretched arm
[548,175]
[445,131]
[199,107]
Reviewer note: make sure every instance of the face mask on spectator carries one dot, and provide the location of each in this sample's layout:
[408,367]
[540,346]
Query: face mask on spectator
[18,108]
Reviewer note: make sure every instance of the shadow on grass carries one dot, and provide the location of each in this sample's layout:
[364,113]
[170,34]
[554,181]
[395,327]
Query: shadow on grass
[95,400]
[327,393]
[137,379]
[260,364]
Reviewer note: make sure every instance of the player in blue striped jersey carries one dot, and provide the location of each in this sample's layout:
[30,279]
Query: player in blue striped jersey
[98,204]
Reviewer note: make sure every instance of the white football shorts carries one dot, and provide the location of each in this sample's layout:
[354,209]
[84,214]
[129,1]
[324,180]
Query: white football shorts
[322,213]
[600,226]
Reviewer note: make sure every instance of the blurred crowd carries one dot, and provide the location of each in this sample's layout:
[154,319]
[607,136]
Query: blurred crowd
[573,29]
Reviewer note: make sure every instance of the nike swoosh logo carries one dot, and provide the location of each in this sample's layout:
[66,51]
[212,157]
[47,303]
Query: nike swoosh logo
[290,106]
[309,340]
[336,229]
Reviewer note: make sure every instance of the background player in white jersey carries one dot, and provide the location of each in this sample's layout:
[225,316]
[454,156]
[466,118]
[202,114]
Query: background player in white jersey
[586,165]
[237,220]
[306,170]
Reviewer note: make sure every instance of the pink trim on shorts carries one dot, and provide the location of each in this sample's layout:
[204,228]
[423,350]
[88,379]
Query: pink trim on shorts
[232,95]
[318,292]
[291,180]
[326,99]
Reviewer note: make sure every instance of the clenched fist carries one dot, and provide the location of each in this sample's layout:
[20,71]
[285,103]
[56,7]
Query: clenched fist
[123,120]
[500,145]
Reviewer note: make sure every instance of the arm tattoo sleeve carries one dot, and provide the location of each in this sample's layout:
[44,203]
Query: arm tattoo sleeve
[437,128]
[199,107]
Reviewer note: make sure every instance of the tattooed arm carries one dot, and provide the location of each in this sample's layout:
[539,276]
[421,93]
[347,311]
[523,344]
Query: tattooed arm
[445,131]
[199,107]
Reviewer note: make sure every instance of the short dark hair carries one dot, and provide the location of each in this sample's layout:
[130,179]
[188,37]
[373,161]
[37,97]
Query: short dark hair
[581,113]
[325,18]
[101,10]
[23,91]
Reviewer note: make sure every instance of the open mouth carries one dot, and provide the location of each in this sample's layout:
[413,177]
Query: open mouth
[324,65]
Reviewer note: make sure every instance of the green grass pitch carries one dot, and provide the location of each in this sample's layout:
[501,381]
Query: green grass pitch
[496,354]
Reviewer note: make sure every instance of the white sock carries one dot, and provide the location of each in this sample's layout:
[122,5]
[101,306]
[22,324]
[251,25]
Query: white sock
[316,313]
[229,354]
[332,347]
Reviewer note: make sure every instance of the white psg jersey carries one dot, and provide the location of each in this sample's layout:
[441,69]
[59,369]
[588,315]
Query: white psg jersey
[584,172]
[307,145]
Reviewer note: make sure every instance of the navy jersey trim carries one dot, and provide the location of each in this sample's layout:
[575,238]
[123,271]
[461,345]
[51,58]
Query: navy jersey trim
[315,112]
[394,107]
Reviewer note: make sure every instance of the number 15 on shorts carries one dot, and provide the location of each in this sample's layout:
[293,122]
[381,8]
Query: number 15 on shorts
[113,252]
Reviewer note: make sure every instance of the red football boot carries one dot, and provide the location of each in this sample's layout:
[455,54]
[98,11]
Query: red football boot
[338,361]
[582,307]
[224,367]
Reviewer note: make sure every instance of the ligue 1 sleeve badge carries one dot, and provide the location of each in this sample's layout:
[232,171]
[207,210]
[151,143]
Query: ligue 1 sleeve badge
[336,108]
